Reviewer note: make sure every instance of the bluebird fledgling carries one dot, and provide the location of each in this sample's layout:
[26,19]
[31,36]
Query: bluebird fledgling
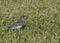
[20,23]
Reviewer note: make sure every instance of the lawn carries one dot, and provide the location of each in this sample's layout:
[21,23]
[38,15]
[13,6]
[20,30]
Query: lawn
[42,24]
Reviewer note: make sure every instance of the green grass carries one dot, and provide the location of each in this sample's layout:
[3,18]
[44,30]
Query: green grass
[43,22]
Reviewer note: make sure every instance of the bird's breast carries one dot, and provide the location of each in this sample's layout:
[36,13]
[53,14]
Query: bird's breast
[16,27]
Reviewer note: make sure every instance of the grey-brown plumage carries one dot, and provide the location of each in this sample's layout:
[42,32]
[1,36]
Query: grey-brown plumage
[22,20]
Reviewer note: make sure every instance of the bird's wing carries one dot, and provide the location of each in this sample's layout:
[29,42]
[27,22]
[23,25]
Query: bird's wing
[13,25]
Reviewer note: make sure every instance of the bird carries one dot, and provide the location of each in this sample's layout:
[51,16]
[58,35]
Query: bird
[18,24]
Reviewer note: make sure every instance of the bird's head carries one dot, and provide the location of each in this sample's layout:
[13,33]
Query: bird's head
[22,18]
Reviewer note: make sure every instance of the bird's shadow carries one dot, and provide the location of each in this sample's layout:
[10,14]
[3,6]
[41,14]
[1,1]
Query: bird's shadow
[23,27]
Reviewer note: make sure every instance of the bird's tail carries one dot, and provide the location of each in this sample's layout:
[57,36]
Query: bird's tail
[7,28]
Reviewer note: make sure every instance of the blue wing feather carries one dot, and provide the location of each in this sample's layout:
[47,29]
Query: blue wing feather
[13,25]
